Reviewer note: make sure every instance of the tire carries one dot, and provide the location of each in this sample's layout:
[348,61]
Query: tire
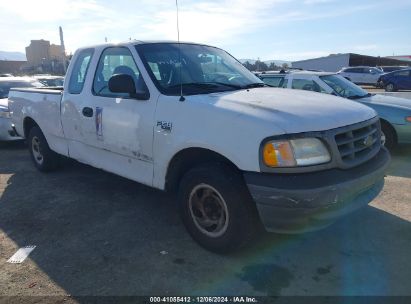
[390,87]
[216,208]
[388,135]
[42,156]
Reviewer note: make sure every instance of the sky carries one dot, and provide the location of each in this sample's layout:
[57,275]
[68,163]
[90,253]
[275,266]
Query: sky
[265,29]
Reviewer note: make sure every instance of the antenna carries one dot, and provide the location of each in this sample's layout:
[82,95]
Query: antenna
[179,56]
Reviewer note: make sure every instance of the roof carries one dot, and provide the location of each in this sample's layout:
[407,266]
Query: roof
[138,42]
[298,73]
[313,73]
[15,79]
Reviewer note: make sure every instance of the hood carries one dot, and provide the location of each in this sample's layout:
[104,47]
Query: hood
[387,100]
[4,102]
[293,111]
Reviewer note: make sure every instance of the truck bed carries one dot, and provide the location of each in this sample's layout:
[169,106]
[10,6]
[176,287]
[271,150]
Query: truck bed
[41,90]
[41,105]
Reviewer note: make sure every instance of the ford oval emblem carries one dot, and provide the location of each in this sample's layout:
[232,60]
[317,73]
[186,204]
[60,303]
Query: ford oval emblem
[368,141]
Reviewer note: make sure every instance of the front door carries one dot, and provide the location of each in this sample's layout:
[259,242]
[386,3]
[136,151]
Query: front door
[116,131]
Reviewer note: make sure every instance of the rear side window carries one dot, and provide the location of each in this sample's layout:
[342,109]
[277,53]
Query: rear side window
[273,81]
[354,70]
[79,72]
[402,73]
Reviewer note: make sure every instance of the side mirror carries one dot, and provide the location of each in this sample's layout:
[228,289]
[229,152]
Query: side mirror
[124,83]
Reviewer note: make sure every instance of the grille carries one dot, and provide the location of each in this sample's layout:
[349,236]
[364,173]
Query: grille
[359,143]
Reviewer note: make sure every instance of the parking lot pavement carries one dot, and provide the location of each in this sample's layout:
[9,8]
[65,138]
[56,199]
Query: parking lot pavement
[99,234]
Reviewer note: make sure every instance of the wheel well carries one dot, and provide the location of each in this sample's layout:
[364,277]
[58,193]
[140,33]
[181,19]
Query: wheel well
[27,125]
[388,125]
[187,159]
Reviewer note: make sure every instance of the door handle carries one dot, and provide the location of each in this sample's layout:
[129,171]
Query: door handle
[88,112]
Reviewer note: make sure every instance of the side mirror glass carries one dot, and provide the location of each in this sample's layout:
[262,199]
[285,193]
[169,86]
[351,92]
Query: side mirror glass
[124,83]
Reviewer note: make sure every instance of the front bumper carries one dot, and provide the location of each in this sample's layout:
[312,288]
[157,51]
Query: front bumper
[6,131]
[295,203]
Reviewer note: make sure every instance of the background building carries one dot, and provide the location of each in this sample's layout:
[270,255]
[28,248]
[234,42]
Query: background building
[43,57]
[38,52]
[403,57]
[335,62]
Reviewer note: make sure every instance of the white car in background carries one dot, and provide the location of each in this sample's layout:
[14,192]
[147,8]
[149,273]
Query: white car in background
[7,132]
[394,112]
[361,74]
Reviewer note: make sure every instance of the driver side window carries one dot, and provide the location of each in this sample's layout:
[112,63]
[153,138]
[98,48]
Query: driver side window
[115,60]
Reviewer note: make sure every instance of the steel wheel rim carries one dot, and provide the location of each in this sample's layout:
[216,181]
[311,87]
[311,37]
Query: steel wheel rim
[208,210]
[383,138]
[35,148]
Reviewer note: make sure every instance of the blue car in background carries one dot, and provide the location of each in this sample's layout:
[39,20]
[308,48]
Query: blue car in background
[394,81]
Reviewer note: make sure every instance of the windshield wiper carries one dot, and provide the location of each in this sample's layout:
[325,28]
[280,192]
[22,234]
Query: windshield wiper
[359,96]
[235,86]
[254,85]
[193,84]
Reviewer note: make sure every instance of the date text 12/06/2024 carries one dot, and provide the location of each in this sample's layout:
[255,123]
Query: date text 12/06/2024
[236,299]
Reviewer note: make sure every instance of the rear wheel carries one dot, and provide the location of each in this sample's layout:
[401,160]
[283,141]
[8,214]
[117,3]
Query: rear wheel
[43,157]
[390,87]
[216,208]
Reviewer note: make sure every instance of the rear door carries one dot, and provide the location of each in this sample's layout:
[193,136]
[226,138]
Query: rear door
[353,74]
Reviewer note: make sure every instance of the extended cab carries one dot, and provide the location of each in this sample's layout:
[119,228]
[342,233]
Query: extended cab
[190,118]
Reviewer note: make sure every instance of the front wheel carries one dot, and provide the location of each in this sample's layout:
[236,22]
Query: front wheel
[216,208]
[43,157]
[388,136]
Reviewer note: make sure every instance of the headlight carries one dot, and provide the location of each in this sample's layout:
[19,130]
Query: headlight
[408,118]
[295,152]
[4,112]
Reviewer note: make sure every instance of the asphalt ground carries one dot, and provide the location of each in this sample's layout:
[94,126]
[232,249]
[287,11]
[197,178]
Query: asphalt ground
[97,234]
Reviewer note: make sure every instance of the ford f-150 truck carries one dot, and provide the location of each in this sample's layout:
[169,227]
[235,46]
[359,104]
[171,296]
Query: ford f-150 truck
[190,118]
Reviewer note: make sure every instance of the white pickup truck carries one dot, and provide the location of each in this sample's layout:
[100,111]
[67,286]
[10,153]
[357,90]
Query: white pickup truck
[190,118]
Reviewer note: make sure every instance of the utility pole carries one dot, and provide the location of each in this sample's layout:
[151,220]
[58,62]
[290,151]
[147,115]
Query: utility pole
[63,49]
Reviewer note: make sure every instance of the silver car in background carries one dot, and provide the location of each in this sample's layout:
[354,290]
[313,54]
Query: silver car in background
[7,133]
[361,74]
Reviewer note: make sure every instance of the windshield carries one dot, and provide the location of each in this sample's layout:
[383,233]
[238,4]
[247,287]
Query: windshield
[203,69]
[5,86]
[344,87]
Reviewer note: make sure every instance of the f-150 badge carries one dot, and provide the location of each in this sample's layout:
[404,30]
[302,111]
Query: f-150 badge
[165,125]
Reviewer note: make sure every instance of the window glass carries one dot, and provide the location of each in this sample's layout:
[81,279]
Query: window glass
[196,69]
[79,72]
[273,81]
[403,73]
[355,70]
[307,85]
[285,83]
[343,87]
[374,71]
[116,60]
